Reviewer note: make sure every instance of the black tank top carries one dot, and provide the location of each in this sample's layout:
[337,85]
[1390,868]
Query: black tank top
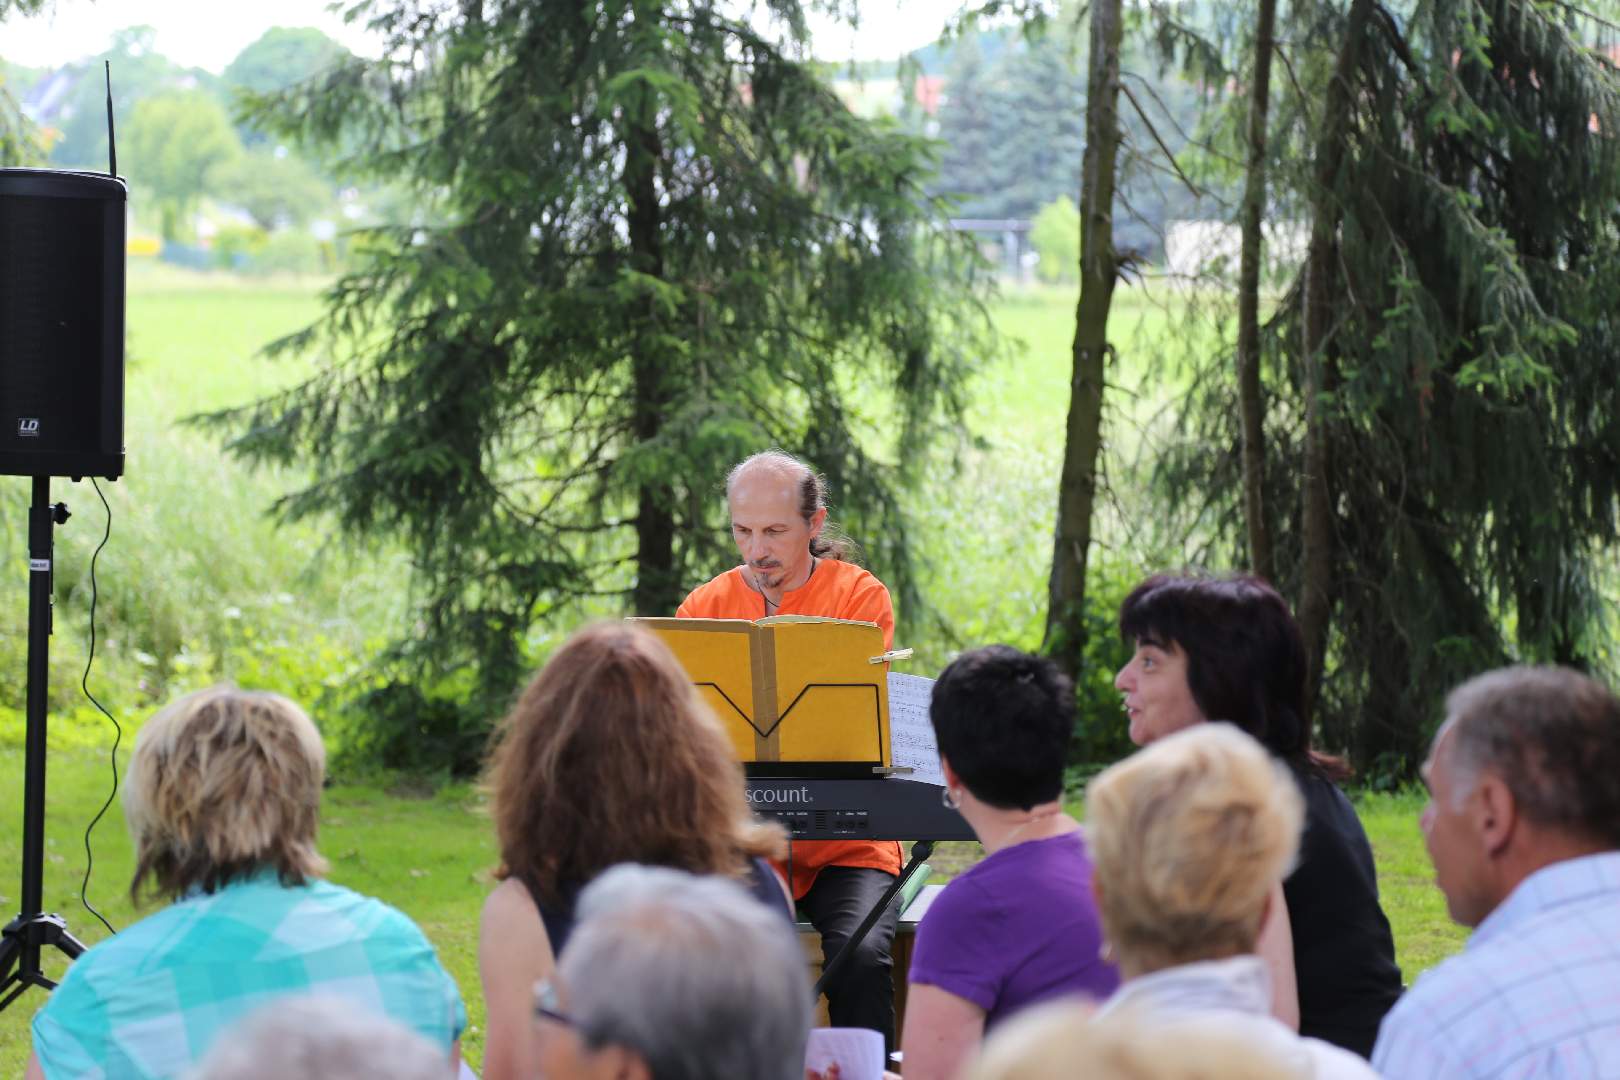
[1344,953]
[760,881]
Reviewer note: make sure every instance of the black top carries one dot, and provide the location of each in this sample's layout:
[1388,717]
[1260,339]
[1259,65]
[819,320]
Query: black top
[1344,954]
[761,882]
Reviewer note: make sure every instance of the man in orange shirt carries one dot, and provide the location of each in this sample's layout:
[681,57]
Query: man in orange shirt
[778,516]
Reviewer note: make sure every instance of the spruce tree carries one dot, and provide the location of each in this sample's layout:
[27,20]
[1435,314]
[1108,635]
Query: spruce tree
[19,140]
[1444,426]
[650,241]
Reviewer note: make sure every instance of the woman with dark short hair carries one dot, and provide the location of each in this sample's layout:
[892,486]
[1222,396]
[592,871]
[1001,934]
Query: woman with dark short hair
[609,756]
[1020,927]
[1228,648]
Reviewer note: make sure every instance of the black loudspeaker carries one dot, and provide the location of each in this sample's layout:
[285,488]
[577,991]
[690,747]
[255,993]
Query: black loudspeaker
[61,323]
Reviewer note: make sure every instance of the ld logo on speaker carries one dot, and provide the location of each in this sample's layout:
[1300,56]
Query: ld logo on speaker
[27,427]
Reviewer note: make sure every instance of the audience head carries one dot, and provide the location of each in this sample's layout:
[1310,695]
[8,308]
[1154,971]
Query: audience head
[1062,1041]
[1188,837]
[321,1038]
[1524,772]
[1215,648]
[610,756]
[670,976]
[1003,720]
[224,783]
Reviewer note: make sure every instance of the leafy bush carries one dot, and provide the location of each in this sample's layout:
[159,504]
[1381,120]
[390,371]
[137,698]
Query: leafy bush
[1055,236]
[399,725]
[236,246]
[291,251]
[1100,731]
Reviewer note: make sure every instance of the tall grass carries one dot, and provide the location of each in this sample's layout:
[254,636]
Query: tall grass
[195,583]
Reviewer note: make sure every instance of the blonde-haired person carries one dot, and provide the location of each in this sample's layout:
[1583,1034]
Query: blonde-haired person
[609,756]
[222,800]
[1062,1041]
[1189,838]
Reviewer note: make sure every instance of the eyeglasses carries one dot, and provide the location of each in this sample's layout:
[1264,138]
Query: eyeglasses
[546,1004]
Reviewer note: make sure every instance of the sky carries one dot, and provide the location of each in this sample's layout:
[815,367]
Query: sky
[209,33]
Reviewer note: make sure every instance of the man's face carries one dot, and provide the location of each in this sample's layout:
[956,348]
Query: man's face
[1451,832]
[772,536]
[1157,699]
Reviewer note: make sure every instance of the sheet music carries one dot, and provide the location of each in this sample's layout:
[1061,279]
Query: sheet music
[910,730]
[858,1053]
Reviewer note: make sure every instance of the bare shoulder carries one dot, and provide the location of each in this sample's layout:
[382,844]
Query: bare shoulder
[512,940]
[509,908]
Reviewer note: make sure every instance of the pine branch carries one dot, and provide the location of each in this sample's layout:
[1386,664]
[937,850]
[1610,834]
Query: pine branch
[1169,157]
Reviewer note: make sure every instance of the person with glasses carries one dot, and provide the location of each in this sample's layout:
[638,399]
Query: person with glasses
[673,976]
[609,756]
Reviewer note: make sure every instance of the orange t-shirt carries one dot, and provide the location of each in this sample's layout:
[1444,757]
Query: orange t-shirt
[835,590]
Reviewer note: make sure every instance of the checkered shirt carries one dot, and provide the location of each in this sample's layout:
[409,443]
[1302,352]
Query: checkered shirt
[1535,993]
[149,1002]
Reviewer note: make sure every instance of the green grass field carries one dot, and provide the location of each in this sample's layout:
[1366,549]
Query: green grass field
[198,585]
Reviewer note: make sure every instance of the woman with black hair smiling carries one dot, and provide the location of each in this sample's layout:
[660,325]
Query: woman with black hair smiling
[1229,649]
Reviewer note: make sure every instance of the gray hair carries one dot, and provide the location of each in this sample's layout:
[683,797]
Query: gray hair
[831,543]
[691,973]
[321,1038]
[1553,737]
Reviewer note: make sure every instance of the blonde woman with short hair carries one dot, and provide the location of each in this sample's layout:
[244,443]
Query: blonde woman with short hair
[1189,838]
[222,800]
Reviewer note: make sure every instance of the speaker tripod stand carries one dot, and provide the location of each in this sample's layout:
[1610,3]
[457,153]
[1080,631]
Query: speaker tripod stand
[33,930]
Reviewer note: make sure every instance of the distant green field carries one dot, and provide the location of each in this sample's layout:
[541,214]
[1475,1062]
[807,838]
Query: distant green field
[199,577]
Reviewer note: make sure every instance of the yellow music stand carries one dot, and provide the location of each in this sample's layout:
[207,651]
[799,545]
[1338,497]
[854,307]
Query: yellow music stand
[798,696]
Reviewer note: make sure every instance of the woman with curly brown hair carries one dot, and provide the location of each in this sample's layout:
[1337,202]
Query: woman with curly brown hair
[609,756]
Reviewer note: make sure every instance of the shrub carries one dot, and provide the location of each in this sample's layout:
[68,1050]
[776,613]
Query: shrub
[1055,236]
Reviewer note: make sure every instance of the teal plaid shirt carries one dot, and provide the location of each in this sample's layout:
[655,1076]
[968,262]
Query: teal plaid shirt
[149,1002]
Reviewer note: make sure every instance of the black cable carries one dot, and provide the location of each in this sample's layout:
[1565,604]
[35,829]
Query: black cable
[118,737]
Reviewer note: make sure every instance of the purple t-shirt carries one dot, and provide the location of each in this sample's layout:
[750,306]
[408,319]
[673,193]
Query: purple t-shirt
[1018,928]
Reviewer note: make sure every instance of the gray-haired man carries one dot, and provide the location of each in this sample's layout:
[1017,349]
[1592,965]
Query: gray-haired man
[1523,825]
[674,977]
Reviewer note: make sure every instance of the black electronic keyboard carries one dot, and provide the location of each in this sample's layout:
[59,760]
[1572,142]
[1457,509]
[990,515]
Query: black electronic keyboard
[879,808]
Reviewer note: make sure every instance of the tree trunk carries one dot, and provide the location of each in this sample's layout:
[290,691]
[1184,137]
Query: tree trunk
[1316,585]
[1065,615]
[1262,560]
[657,587]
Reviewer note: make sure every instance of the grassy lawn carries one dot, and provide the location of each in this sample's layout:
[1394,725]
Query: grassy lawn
[1424,934]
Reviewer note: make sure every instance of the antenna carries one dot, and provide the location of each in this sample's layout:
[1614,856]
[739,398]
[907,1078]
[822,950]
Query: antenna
[112,146]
